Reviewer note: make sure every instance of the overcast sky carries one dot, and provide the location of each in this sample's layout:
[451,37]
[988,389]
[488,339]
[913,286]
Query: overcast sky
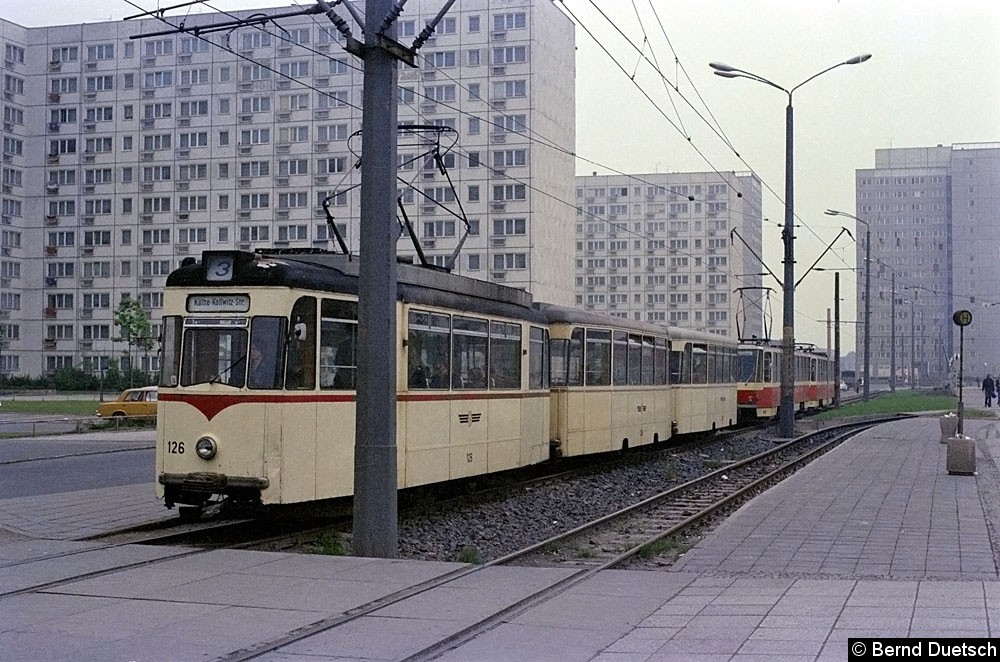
[932,80]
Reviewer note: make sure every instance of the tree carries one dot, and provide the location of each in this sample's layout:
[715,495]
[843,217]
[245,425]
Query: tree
[136,330]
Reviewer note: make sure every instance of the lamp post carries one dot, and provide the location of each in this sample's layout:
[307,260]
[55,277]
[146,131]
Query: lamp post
[892,338]
[913,349]
[786,411]
[868,293]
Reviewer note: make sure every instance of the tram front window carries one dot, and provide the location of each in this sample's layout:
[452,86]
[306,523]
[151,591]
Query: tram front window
[747,366]
[214,354]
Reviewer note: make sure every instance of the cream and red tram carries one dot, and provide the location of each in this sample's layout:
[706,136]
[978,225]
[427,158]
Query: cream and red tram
[257,397]
[759,377]
[617,383]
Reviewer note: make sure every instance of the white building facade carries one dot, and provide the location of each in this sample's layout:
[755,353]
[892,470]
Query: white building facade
[657,248]
[932,214]
[123,156]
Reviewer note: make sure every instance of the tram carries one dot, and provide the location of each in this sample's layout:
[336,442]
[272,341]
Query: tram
[759,379]
[259,370]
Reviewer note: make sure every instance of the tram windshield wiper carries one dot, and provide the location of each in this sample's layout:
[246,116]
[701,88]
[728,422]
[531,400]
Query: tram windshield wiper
[217,380]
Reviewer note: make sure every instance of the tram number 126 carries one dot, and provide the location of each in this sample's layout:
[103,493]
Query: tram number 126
[175,447]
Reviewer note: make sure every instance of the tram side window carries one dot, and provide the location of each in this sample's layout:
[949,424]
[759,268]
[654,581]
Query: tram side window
[267,335]
[428,350]
[575,368]
[721,362]
[566,360]
[505,355]
[661,358]
[338,342]
[170,346]
[711,356]
[598,357]
[538,358]
[300,364]
[768,367]
[470,344]
[559,361]
[699,364]
[619,358]
[677,367]
[812,370]
[634,359]
[647,360]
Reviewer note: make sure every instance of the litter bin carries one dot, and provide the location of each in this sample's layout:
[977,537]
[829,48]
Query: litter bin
[949,427]
[961,456]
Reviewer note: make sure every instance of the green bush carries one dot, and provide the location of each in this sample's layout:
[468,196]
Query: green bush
[78,379]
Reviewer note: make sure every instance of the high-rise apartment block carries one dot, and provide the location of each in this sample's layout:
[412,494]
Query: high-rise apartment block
[122,156]
[933,216]
[657,248]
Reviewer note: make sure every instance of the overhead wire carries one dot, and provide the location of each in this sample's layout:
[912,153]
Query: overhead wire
[541,140]
[657,69]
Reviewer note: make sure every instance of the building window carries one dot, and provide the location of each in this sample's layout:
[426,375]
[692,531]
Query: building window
[65,54]
[509,21]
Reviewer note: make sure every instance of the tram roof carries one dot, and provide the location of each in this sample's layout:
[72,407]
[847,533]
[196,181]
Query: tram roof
[569,315]
[328,272]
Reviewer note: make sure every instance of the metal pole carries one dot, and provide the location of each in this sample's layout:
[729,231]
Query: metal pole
[913,345]
[786,412]
[836,338]
[961,379]
[829,330]
[892,338]
[376,529]
[868,309]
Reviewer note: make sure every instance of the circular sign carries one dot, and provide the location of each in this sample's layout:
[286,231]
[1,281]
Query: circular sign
[962,318]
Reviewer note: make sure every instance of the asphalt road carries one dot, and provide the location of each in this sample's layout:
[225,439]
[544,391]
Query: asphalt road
[49,465]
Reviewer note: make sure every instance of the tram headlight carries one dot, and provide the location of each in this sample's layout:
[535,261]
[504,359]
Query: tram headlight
[206,448]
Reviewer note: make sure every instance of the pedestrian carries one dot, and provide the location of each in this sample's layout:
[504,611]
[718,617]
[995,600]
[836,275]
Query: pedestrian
[989,387]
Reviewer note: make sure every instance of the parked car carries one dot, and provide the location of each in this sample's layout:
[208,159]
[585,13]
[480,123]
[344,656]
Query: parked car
[132,402]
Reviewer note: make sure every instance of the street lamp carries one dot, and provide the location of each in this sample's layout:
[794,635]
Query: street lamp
[786,411]
[868,292]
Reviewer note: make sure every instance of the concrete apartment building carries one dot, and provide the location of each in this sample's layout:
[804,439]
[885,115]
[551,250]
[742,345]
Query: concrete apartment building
[933,217]
[657,248]
[121,157]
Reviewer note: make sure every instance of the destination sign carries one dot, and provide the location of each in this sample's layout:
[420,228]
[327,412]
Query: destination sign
[218,303]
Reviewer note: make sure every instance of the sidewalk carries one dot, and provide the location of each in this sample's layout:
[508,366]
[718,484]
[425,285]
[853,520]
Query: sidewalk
[872,539]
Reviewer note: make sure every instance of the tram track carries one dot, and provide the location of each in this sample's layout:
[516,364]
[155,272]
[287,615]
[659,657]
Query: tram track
[622,535]
[704,497]
[115,542]
[692,502]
